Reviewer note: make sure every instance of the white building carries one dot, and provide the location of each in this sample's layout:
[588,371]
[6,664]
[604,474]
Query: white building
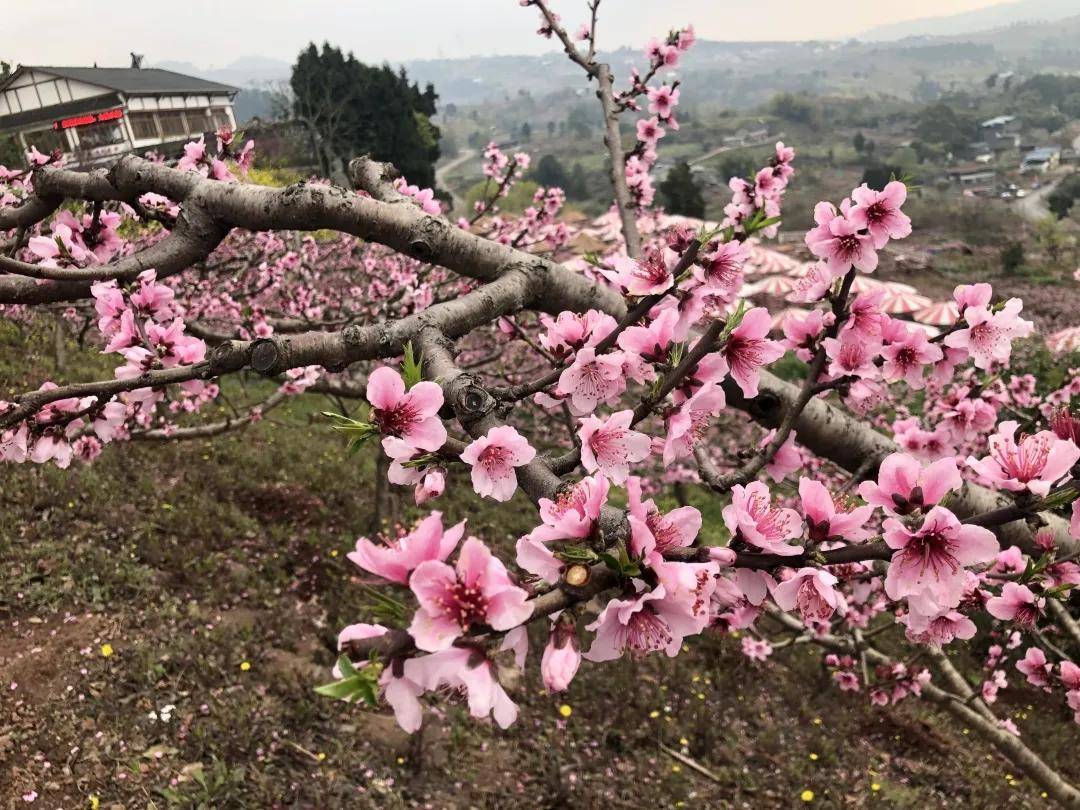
[1041,160]
[94,114]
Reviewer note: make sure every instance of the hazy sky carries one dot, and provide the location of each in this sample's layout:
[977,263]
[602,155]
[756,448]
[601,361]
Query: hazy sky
[212,33]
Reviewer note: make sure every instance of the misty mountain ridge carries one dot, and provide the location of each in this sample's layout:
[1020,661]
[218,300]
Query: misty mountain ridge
[744,74]
[982,19]
[247,71]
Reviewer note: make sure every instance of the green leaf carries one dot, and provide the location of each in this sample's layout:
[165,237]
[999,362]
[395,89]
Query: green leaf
[1028,570]
[576,554]
[765,223]
[346,666]
[411,367]
[368,694]
[733,321]
[610,562]
[345,689]
[387,609]
[356,432]
[1056,500]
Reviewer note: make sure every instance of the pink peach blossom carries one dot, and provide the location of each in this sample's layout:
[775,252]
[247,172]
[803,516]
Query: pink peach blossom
[689,421]
[752,517]
[1036,668]
[756,649]
[905,359]
[801,332]
[477,591]
[812,591]
[640,625]
[411,416]
[904,485]
[592,379]
[973,295]
[645,276]
[562,655]
[989,335]
[652,531]
[748,349]
[928,566]
[840,242]
[1016,604]
[831,518]
[879,212]
[939,630]
[534,556]
[1033,463]
[722,271]
[571,331]
[493,458]
[610,446]
[573,513]
[651,342]
[468,669]
[397,559]
[787,460]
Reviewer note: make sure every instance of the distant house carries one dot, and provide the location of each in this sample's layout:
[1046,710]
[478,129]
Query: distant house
[745,137]
[973,177]
[980,152]
[1001,142]
[1041,160]
[93,114]
[1001,123]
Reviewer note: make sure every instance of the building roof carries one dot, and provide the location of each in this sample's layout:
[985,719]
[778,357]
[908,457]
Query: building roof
[1043,153]
[133,81]
[1000,121]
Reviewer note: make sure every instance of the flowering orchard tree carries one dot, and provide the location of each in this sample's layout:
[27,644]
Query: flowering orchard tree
[904,478]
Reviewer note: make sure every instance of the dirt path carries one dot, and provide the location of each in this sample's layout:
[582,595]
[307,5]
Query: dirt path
[1033,206]
[444,170]
[721,149]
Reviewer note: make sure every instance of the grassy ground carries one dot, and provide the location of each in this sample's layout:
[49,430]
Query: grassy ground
[210,577]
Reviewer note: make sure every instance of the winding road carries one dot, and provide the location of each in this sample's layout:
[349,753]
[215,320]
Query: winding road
[1032,207]
[442,171]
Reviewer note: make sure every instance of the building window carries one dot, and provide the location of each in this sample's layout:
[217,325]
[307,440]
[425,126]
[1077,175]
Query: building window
[143,126]
[46,140]
[173,124]
[221,118]
[103,134]
[199,122]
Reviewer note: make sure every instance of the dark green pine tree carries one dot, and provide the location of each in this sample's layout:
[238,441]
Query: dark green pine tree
[352,109]
[681,193]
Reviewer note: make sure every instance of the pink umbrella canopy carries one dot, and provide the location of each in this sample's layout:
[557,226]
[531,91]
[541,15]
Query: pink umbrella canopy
[940,313]
[863,284]
[898,287]
[771,285]
[765,262]
[901,303]
[1066,340]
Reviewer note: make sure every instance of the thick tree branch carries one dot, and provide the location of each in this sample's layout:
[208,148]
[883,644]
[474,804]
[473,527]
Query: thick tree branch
[309,206]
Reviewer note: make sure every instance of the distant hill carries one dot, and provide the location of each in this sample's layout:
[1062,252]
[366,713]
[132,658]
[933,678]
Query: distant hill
[253,74]
[903,61]
[999,16]
[245,71]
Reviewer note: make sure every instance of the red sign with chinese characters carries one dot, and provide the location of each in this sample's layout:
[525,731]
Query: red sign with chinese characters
[90,118]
